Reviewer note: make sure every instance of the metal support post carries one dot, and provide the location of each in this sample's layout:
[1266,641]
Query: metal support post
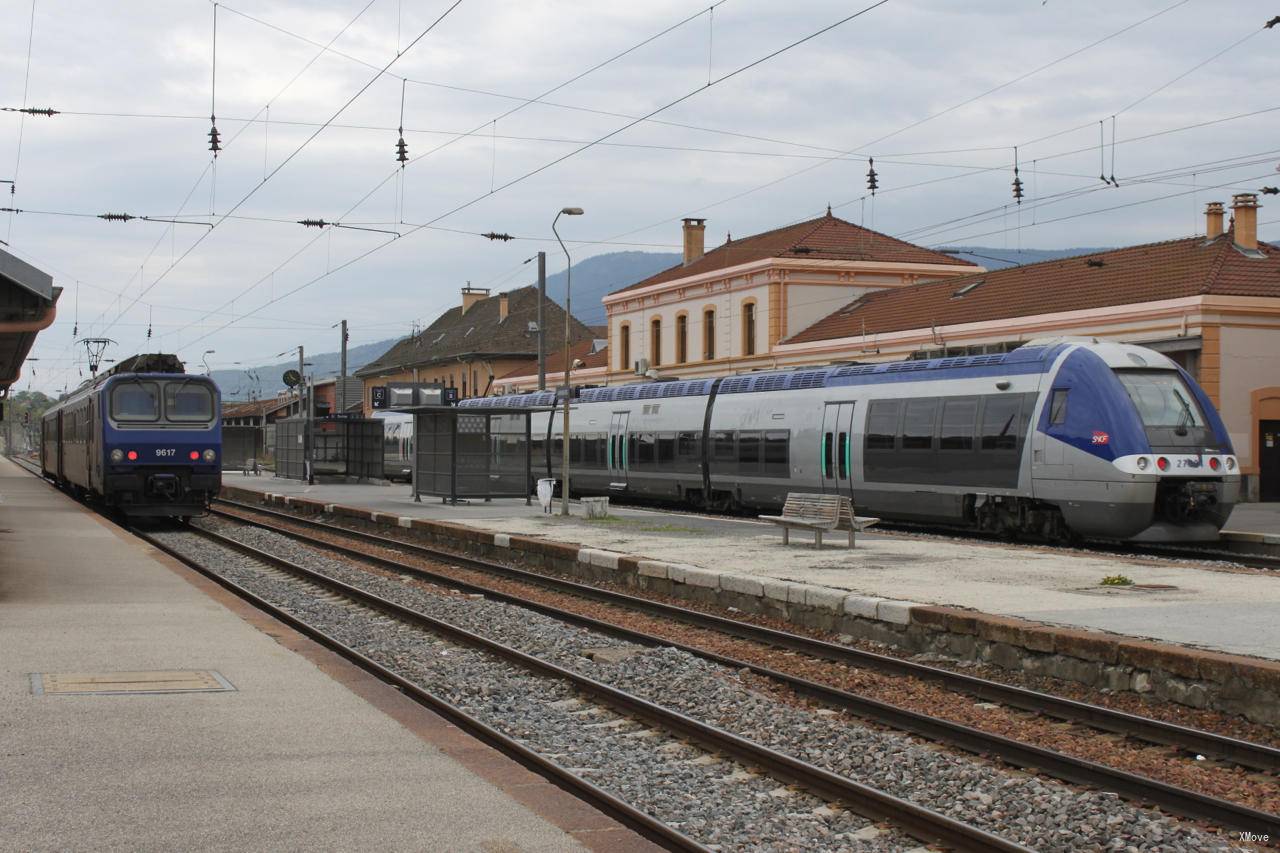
[542,329]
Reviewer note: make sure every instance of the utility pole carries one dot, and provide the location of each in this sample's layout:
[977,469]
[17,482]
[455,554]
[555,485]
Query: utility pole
[542,339]
[342,371]
[304,405]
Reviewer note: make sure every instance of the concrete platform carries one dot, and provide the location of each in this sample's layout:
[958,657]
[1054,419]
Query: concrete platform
[307,752]
[1237,612]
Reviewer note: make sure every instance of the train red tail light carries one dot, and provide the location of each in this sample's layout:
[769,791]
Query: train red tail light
[132,456]
[195,455]
[1214,463]
[1162,464]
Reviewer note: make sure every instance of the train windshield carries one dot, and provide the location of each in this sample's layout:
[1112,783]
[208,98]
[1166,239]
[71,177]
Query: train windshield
[188,401]
[1170,413]
[135,401]
[1162,399]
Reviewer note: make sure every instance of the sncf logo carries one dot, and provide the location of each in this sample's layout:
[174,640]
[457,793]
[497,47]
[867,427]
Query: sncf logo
[1100,437]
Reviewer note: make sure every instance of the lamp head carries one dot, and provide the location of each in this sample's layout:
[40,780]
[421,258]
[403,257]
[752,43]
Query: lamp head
[571,211]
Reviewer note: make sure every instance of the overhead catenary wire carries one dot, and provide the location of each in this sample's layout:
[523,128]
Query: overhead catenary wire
[730,75]
[525,102]
[289,158]
[22,120]
[210,163]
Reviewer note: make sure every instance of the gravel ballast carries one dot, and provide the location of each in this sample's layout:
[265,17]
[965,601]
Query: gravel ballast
[717,801]
[1032,811]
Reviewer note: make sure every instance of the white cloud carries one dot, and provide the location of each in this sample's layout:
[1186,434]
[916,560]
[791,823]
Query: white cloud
[875,75]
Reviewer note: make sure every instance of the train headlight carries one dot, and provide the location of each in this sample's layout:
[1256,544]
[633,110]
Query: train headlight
[209,455]
[1231,463]
[1162,464]
[117,455]
[1143,463]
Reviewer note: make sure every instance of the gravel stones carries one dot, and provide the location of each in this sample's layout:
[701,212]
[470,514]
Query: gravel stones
[1041,814]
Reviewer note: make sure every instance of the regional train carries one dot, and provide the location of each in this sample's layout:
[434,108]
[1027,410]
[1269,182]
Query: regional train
[1059,439]
[144,438]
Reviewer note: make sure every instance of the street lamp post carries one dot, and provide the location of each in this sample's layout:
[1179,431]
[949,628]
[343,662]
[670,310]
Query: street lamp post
[205,359]
[564,453]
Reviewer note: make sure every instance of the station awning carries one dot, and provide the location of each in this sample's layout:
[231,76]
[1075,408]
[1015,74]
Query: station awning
[28,303]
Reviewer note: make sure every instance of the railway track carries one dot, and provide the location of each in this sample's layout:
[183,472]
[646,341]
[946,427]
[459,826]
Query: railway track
[357,603]
[1169,797]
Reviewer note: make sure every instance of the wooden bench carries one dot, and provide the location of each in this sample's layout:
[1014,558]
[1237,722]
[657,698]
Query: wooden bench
[818,513]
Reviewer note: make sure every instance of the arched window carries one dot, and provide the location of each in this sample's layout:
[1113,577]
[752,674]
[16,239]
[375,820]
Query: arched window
[749,328]
[624,346]
[709,334]
[682,338]
[655,342]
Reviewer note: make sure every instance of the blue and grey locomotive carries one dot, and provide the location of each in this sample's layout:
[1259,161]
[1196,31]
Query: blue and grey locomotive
[1059,439]
[145,438]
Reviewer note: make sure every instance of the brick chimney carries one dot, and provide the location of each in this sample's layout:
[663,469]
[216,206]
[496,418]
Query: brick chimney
[472,295]
[1245,208]
[503,307]
[1213,219]
[694,242]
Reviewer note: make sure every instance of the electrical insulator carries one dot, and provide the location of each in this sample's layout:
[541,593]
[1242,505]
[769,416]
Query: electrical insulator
[1017,186]
[402,150]
[313,223]
[872,183]
[116,217]
[215,138]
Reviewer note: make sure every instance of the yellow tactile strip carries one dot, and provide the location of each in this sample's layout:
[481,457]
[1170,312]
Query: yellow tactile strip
[114,683]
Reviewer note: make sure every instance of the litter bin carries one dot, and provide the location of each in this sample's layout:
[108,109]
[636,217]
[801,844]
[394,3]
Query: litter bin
[546,488]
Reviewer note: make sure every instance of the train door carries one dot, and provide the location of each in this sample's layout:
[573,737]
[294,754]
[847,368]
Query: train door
[617,450]
[835,449]
[1269,460]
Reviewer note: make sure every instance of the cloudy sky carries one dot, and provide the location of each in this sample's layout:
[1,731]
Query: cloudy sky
[938,92]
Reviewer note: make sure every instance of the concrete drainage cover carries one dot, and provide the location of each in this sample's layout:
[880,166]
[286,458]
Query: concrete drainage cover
[122,683]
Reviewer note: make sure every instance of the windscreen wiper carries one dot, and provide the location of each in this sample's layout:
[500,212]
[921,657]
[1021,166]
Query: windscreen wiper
[1186,418]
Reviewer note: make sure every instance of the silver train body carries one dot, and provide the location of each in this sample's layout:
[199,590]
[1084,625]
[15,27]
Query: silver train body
[397,445]
[1057,439]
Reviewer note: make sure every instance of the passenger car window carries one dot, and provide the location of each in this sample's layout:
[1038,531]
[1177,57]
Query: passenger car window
[135,401]
[917,424]
[882,424]
[188,401]
[958,419]
[1000,423]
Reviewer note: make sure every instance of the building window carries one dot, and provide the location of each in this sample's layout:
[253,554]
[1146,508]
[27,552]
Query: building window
[624,346]
[709,334]
[749,328]
[682,338]
[655,342]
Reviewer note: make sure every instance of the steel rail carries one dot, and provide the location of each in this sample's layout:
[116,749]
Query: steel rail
[1066,767]
[915,820]
[1246,753]
[627,814]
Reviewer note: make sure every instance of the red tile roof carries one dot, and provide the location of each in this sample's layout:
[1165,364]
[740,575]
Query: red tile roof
[1155,271]
[827,238]
[555,361]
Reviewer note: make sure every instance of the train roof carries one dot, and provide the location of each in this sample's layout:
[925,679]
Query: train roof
[1032,358]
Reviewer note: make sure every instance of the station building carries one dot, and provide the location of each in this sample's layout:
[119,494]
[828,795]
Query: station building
[725,311]
[472,344]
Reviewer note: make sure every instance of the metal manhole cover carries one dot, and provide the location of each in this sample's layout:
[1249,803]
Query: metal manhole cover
[119,683]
